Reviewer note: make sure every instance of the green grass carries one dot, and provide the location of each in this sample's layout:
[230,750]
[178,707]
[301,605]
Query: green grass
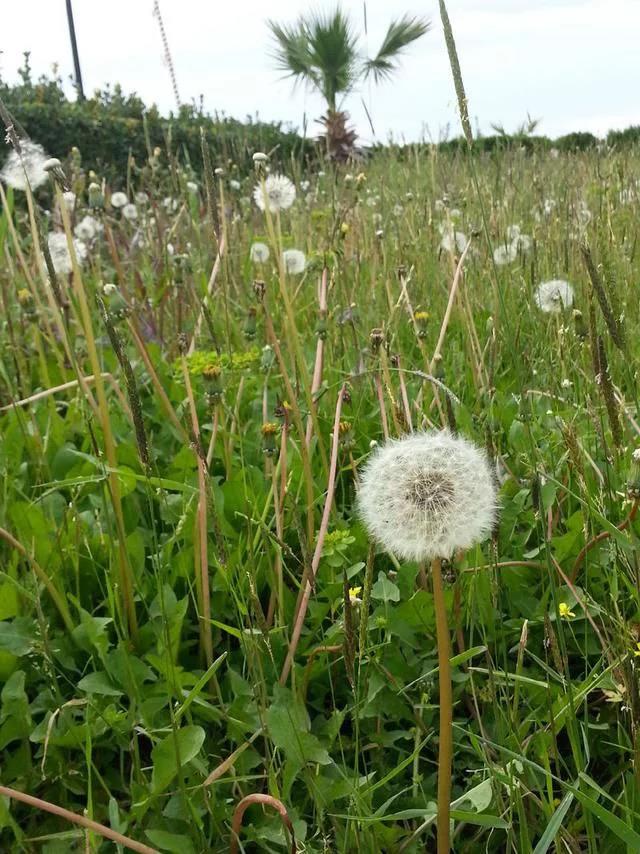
[136,697]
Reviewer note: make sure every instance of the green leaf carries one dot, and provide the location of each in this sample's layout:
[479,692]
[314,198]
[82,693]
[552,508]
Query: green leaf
[17,636]
[186,742]
[288,725]
[173,842]
[99,683]
[385,589]
[554,825]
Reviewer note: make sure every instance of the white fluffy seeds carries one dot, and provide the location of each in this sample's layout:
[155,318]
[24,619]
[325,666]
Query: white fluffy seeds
[278,193]
[427,495]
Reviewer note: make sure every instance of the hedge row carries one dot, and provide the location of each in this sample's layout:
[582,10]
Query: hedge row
[111,125]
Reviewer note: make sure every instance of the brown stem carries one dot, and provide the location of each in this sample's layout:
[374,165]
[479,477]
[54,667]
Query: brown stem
[310,580]
[268,800]
[106,832]
[603,535]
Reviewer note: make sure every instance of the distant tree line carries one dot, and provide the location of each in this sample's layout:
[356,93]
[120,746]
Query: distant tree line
[110,126]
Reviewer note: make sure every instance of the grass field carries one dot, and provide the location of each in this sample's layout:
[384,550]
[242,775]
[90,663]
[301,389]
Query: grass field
[182,433]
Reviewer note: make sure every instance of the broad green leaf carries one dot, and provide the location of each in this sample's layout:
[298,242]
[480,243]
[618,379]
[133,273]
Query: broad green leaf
[385,589]
[187,742]
[99,683]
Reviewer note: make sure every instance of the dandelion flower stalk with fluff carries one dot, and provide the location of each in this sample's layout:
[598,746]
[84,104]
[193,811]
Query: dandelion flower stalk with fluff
[426,497]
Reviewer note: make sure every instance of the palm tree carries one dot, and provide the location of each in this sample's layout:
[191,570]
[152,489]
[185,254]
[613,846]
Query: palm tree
[322,50]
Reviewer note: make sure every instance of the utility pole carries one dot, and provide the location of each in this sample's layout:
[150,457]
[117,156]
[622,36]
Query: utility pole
[74,51]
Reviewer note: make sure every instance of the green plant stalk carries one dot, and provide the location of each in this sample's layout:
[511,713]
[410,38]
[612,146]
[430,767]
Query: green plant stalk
[126,575]
[445,747]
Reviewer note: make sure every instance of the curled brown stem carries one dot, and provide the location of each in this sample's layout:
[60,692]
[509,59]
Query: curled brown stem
[603,535]
[267,800]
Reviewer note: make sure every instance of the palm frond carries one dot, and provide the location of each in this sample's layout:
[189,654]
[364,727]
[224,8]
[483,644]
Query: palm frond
[291,52]
[399,36]
[333,49]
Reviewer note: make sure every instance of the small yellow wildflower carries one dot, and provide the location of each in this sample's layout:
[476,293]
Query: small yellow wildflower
[354,594]
[636,651]
[565,611]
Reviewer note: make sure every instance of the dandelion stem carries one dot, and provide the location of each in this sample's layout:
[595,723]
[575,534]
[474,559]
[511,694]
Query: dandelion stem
[445,749]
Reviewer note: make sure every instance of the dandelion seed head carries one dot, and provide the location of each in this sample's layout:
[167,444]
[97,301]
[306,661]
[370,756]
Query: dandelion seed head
[130,212]
[279,191]
[505,254]
[119,200]
[25,169]
[59,251]
[259,253]
[554,296]
[427,495]
[86,229]
[294,260]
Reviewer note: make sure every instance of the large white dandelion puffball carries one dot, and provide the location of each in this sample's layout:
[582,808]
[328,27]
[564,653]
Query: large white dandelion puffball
[427,495]
[25,169]
[552,297]
[277,192]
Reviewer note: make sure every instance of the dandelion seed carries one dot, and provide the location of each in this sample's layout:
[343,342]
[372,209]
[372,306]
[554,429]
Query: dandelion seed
[427,495]
[259,253]
[513,231]
[26,169]
[554,296]
[304,185]
[119,200]
[59,251]
[169,203]
[294,260]
[141,198]
[279,191]
[109,289]
[192,187]
[234,185]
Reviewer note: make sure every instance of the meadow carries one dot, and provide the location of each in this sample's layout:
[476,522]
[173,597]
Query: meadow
[201,648]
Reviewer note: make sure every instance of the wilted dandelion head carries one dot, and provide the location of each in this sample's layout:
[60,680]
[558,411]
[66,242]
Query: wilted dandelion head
[59,251]
[427,495]
[25,169]
[119,200]
[294,261]
[69,199]
[259,253]
[278,192]
[554,296]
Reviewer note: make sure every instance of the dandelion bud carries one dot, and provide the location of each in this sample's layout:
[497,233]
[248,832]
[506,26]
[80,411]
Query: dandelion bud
[96,199]
[250,324]
[633,484]
[109,289]
[421,318]
[361,179]
[269,433]
[579,324]
[259,289]
[260,157]
[213,379]
[345,436]
[267,359]
[218,171]
[376,339]
[428,495]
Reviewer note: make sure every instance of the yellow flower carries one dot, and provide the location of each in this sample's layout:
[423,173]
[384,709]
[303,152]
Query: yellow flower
[636,651]
[354,593]
[565,611]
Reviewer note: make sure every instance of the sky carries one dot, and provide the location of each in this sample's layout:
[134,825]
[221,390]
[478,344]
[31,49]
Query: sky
[572,64]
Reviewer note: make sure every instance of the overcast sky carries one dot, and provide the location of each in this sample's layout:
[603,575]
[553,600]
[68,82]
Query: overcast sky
[574,64]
